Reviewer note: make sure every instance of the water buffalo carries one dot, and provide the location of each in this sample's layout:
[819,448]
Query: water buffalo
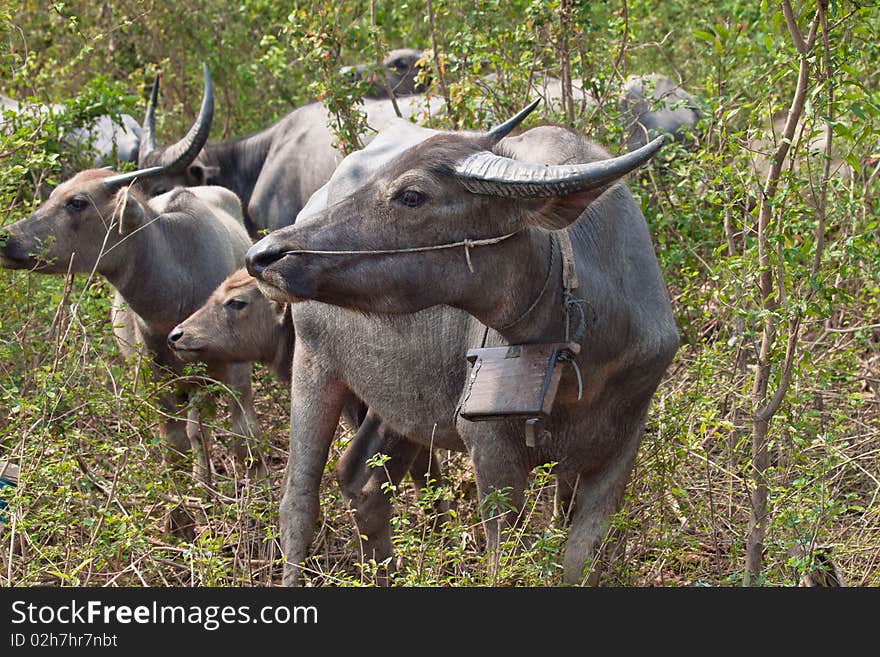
[549,89]
[653,104]
[107,137]
[808,143]
[239,324]
[109,140]
[398,72]
[649,105]
[163,257]
[274,171]
[430,244]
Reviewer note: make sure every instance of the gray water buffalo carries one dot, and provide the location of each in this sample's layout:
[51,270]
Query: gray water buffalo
[649,105]
[109,140]
[163,257]
[549,89]
[239,324]
[652,105]
[808,144]
[399,72]
[274,171]
[431,244]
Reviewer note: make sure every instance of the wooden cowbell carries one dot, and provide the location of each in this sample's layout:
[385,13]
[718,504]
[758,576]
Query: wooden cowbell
[515,381]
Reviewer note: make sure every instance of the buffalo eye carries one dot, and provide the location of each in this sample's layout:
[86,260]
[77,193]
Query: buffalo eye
[410,198]
[77,204]
[235,304]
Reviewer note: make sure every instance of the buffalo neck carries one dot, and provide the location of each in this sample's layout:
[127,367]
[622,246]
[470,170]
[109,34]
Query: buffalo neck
[517,290]
[281,359]
[141,280]
[240,162]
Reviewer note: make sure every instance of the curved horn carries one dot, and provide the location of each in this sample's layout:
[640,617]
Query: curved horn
[180,155]
[487,173]
[148,129]
[114,182]
[499,132]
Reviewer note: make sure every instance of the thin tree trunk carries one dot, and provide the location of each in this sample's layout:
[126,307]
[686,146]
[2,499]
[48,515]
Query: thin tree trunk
[379,57]
[765,409]
[565,59]
[438,64]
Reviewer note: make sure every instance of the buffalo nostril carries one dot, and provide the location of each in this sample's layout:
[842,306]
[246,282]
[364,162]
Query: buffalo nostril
[175,335]
[260,256]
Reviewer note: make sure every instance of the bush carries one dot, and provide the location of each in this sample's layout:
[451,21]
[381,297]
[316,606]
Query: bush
[777,313]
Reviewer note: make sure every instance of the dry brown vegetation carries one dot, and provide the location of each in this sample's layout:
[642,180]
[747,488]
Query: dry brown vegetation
[761,459]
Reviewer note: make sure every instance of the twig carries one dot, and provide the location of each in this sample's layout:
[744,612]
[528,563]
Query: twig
[765,410]
[388,89]
[438,65]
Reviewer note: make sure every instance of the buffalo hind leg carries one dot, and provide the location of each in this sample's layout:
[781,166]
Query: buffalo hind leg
[173,432]
[425,471]
[183,432]
[354,412]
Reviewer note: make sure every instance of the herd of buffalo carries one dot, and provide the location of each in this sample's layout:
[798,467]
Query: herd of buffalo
[363,281]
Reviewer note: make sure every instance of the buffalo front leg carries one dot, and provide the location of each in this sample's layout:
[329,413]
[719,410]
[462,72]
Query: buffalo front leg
[316,401]
[246,433]
[501,469]
[598,496]
[179,522]
[199,437]
[173,430]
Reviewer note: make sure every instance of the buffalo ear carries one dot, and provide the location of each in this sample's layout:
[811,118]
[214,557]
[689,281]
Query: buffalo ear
[202,174]
[278,308]
[558,212]
[130,213]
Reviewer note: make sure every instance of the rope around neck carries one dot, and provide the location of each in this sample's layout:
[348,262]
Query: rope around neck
[543,288]
[467,244]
